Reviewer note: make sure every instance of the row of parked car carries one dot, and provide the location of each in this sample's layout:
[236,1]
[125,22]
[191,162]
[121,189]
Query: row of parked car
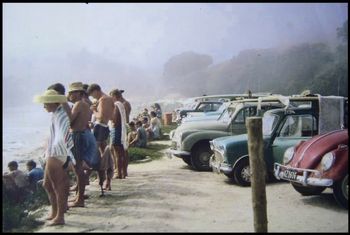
[305,139]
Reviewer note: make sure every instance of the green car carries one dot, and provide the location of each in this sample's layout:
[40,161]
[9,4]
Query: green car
[282,128]
[190,141]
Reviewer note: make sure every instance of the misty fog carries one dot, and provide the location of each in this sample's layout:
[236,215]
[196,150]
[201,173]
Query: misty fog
[158,51]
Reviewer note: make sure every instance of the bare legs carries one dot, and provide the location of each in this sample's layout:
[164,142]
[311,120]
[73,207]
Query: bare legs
[81,182]
[56,185]
[118,154]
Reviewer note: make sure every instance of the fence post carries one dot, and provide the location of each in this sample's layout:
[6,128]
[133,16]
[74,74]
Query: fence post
[258,173]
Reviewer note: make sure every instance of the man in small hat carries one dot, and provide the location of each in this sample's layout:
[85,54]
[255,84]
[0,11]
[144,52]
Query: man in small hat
[85,147]
[117,96]
[57,155]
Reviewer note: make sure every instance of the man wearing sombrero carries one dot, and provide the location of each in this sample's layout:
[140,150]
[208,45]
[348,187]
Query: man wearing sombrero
[57,155]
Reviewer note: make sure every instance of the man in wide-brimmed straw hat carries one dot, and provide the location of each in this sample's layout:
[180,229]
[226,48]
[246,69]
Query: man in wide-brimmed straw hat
[57,155]
[85,148]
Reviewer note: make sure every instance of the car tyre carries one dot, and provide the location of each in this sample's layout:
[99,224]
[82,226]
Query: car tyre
[309,190]
[341,191]
[200,157]
[241,172]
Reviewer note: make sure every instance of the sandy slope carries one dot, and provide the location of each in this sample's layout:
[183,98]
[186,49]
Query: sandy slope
[166,196]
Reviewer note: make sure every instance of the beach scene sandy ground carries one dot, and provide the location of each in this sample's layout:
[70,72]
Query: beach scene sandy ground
[167,196]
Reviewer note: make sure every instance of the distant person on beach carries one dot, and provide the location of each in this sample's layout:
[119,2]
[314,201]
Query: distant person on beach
[155,127]
[35,174]
[15,181]
[57,155]
[119,135]
[140,139]
[157,110]
[84,148]
[132,133]
[103,113]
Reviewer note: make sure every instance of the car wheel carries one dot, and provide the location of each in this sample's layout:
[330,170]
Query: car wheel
[241,172]
[201,156]
[187,160]
[309,190]
[341,191]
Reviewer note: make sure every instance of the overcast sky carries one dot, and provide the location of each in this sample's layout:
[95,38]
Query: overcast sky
[147,35]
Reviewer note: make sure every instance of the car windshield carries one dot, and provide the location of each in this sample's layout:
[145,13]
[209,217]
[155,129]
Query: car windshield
[269,123]
[227,114]
[190,106]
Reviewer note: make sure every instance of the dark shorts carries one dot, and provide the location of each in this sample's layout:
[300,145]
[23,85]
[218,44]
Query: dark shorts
[116,136]
[78,148]
[101,133]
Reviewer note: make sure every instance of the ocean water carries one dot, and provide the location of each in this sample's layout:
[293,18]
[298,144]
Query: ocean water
[25,131]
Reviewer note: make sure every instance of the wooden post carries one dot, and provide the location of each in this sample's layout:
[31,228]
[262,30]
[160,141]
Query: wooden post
[258,173]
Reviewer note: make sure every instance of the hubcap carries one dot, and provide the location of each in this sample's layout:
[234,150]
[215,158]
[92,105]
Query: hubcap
[204,158]
[245,173]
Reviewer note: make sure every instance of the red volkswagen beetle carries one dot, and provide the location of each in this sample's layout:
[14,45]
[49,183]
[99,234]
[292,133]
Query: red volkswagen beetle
[318,163]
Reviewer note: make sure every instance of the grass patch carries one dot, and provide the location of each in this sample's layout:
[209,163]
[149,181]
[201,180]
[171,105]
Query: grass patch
[152,150]
[168,128]
[17,216]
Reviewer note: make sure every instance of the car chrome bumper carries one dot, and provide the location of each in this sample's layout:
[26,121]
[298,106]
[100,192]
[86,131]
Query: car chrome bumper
[176,153]
[225,168]
[304,179]
[215,166]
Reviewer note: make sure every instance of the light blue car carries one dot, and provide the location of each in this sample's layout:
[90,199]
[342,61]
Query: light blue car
[204,116]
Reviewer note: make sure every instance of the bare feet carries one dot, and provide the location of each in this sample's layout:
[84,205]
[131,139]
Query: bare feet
[50,217]
[76,204]
[56,222]
[107,188]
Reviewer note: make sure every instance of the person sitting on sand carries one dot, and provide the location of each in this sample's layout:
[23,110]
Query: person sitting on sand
[140,140]
[15,181]
[155,125]
[132,133]
[34,173]
[57,155]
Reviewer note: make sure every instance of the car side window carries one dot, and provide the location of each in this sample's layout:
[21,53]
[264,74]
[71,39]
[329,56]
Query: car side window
[246,112]
[299,126]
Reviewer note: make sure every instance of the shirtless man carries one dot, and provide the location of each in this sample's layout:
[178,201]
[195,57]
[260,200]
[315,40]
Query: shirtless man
[119,143]
[103,112]
[80,117]
[127,110]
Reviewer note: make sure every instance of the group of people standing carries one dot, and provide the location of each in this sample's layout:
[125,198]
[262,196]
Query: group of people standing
[79,140]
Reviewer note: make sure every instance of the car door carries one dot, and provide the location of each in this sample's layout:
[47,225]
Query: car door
[238,125]
[295,128]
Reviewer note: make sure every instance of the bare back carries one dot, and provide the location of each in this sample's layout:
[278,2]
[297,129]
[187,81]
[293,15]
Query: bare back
[127,109]
[81,116]
[105,109]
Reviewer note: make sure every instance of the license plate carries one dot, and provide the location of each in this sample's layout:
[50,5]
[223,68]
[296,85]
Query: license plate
[290,174]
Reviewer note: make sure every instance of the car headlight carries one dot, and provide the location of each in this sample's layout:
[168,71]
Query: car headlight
[327,161]
[218,148]
[288,155]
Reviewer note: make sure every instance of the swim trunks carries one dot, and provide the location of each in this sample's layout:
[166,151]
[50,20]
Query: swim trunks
[101,133]
[116,136]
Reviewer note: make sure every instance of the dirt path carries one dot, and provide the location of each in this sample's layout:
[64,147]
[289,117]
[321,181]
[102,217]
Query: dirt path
[166,196]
